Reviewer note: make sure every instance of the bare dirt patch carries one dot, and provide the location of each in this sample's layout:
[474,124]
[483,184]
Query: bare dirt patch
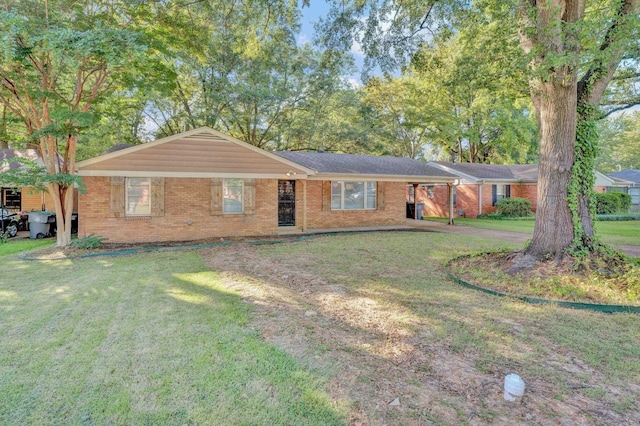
[388,364]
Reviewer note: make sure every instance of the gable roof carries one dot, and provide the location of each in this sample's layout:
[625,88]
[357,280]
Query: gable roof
[628,175]
[6,155]
[201,152]
[520,173]
[328,165]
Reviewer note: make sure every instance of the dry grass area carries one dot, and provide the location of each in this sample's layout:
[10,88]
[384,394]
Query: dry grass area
[517,274]
[401,344]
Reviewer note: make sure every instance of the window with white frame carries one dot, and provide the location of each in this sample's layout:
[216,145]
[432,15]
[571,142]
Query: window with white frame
[500,192]
[353,195]
[635,195]
[138,197]
[232,190]
[430,191]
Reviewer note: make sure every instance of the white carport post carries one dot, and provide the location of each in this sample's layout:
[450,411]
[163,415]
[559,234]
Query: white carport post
[450,188]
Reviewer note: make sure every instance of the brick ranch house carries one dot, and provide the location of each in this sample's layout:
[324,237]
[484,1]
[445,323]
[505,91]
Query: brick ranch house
[479,188]
[203,184]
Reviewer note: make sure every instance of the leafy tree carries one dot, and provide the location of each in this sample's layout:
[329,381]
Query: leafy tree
[479,110]
[400,115]
[240,69]
[618,143]
[57,59]
[573,49]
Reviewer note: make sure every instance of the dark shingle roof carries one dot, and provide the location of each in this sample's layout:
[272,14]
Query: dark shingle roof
[6,155]
[117,147]
[326,163]
[516,172]
[630,175]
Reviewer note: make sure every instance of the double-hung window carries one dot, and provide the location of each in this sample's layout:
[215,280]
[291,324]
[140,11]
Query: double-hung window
[353,195]
[232,190]
[138,197]
[500,192]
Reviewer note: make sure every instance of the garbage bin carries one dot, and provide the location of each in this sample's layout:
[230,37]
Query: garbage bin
[40,224]
[420,210]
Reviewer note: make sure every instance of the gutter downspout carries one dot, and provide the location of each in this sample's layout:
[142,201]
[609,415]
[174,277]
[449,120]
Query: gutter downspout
[480,183]
[304,204]
[450,190]
[415,201]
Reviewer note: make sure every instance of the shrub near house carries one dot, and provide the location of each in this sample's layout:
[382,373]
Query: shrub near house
[612,202]
[514,207]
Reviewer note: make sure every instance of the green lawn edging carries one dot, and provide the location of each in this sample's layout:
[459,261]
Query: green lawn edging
[608,309]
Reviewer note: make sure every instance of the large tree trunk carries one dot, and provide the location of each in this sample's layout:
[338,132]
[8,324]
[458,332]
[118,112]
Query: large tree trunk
[553,231]
[549,30]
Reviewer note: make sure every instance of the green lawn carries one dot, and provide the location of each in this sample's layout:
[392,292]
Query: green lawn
[612,232]
[148,339]
[14,246]
[330,330]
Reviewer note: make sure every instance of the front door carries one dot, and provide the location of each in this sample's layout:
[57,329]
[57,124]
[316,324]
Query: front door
[286,203]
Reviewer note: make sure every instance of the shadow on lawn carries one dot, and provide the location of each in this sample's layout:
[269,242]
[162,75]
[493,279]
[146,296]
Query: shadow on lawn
[145,339]
[403,333]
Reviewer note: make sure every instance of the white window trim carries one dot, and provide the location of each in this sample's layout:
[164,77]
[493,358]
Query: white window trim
[364,184]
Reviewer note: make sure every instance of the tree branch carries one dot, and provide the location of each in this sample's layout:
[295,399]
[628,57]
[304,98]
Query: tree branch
[593,84]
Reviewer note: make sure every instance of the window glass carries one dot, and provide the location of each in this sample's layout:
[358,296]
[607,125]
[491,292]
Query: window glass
[346,195]
[371,195]
[138,197]
[353,195]
[635,195]
[232,195]
[430,191]
[336,195]
[411,193]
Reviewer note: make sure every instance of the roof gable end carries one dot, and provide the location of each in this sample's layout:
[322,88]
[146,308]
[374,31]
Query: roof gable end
[201,152]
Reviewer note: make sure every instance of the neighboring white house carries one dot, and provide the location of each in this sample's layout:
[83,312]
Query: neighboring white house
[627,181]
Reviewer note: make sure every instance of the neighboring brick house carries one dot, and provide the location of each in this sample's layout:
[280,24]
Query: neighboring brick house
[202,184]
[481,186]
[627,181]
[22,199]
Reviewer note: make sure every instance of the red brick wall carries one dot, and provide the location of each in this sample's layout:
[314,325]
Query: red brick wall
[393,214]
[467,199]
[188,200]
[529,191]
[438,205]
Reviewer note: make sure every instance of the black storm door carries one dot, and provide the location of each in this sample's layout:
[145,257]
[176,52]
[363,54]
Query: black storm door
[286,203]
